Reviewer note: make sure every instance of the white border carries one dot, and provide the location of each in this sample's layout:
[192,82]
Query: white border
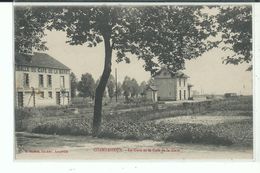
[256,81]
[6,122]
[124,3]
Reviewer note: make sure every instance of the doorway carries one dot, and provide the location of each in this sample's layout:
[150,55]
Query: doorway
[58,98]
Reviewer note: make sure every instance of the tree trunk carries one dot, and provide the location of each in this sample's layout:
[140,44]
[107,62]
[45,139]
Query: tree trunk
[102,86]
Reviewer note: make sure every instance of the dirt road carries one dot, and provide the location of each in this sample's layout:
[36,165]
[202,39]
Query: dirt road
[38,146]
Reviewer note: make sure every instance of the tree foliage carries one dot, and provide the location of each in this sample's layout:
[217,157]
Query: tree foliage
[161,36]
[130,87]
[118,92]
[126,87]
[143,87]
[73,84]
[86,86]
[29,26]
[135,90]
[235,24]
[111,86]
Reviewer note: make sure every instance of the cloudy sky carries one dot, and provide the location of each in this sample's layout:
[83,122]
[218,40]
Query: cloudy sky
[207,73]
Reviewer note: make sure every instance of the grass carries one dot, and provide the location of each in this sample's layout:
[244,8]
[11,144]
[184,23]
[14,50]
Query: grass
[139,124]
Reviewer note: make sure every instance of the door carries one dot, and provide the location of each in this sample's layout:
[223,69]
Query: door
[20,99]
[58,98]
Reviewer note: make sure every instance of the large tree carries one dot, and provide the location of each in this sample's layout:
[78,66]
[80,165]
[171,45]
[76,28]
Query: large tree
[159,35]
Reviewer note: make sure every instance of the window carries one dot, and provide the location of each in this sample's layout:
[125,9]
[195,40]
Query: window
[26,80]
[184,82]
[20,99]
[62,82]
[42,94]
[40,80]
[49,80]
[50,94]
[180,94]
[184,94]
[179,81]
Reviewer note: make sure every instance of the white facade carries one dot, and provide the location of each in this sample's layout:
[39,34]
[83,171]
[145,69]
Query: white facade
[40,86]
[171,87]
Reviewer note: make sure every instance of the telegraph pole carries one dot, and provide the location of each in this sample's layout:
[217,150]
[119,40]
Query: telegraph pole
[33,92]
[116,82]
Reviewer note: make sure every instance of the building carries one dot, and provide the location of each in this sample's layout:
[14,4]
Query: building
[172,85]
[41,80]
[151,93]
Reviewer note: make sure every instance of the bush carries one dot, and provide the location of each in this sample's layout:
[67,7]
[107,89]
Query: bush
[64,127]
[120,128]
[198,134]
[21,117]
[244,103]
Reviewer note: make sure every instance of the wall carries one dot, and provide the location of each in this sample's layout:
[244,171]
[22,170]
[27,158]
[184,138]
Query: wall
[168,87]
[151,95]
[182,88]
[165,85]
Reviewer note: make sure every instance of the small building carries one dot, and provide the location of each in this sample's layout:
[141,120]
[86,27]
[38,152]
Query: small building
[41,80]
[172,85]
[151,93]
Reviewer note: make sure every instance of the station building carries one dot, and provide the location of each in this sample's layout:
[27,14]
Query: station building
[41,80]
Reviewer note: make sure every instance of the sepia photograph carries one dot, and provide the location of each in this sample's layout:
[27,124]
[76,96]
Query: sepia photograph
[133,81]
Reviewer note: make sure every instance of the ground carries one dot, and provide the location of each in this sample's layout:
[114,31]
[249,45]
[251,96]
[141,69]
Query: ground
[37,146]
[215,129]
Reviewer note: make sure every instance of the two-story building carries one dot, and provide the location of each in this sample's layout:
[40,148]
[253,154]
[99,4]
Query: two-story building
[171,85]
[41,80]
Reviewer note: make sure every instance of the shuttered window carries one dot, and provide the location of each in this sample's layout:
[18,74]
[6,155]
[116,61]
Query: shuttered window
[41,80]
[62,82]
[26,82]
[49,80]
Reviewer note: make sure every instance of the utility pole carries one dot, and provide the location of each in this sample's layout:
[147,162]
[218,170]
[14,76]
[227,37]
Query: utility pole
[116,82]
[33,92]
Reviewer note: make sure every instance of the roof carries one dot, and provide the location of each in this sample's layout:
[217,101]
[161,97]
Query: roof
[177,74]
[39,60]
[151,87]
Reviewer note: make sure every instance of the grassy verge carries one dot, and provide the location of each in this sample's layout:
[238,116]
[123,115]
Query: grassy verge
[140,124]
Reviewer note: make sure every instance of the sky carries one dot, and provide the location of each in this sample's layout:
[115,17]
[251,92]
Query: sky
[207,73]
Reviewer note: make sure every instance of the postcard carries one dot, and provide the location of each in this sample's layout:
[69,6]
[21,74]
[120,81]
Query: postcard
[133,81]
